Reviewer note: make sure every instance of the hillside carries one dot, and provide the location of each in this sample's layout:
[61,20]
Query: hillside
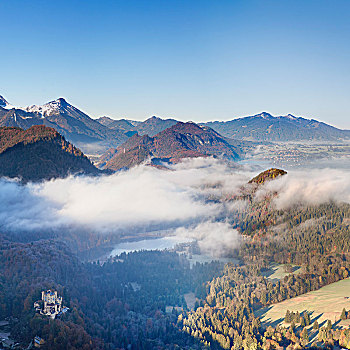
[179,141]
[265,127]
[130,158]
[68,120]
[267,175]
[39,153]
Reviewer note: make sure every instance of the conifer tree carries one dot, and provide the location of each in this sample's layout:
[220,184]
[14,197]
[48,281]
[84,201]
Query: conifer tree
[288,318]
[343,315]
[307,319]
[305,335]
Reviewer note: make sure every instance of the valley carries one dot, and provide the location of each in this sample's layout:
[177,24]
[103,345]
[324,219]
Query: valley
[294,258]
[174,175]
[308,154]
[177,236]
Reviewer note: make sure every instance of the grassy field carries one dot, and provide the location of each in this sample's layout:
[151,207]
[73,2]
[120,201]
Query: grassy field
[323,304]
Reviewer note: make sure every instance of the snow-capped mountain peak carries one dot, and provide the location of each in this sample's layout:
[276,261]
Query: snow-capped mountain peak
[5,104]
[263,115]
[49,108]
[291,117]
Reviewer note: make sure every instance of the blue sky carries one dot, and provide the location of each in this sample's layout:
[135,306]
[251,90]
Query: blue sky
[191,60]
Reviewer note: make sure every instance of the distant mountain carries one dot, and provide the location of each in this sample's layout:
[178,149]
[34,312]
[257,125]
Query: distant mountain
[39,153]
[150,126]
[106,121]
[19,118]
[179,141]
[68,120]
[265,127]
[153,126]
[121,124]
[96,136]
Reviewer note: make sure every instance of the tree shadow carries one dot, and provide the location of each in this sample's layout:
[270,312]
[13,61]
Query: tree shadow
[261,312]
[271,323]
[336,324]
[315,318]
[268,272]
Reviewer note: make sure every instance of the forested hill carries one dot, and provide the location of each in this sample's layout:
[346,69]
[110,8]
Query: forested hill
[314,239]
[267,175]
[39,153]
[179,141]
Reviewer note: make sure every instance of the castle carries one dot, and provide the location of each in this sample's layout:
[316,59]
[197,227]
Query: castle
[50,304]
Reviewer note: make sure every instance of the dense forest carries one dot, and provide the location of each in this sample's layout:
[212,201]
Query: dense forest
[316,238]
[40,153]
[119,303]
[136,300]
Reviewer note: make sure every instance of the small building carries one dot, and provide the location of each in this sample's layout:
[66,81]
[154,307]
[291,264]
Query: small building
[38,342]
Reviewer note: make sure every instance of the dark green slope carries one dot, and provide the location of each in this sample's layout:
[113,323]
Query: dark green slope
[39,153]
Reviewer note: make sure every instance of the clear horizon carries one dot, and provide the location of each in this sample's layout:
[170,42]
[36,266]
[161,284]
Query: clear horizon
[187,60]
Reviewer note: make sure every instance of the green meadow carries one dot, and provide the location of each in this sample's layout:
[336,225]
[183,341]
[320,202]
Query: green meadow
[324,304]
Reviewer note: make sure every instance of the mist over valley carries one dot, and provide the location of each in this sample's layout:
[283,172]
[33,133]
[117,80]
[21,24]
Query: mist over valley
[174,175]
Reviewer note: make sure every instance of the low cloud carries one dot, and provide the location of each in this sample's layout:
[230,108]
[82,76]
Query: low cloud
[141,196]
[183,200]
[141,199]
[309,187]
[214,238]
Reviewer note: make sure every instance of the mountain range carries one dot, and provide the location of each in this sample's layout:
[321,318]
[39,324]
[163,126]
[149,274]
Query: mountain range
[125,125]
[40,153]
[96,136]
[150,126]
[265,127]
[172,144]
[68,120]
